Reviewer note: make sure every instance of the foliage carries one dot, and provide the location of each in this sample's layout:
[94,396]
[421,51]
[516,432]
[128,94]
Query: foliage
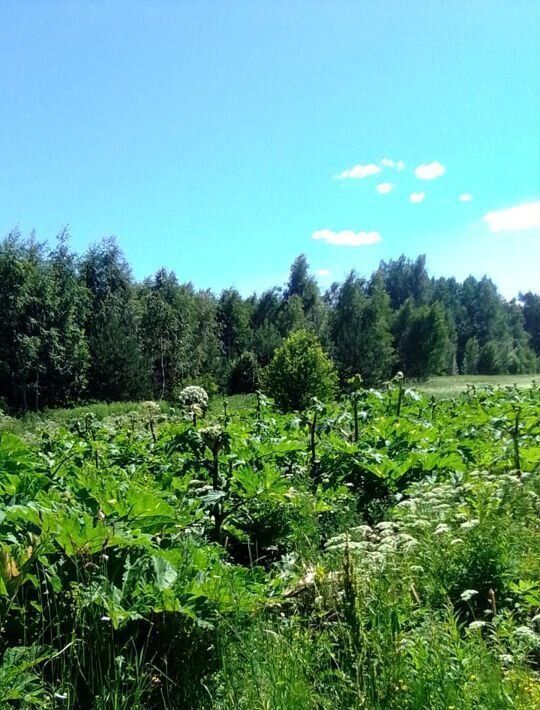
[82,329]
[299,371]
[245,375]
[377,552]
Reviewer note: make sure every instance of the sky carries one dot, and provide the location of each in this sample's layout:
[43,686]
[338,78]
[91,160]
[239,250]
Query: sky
[222,139]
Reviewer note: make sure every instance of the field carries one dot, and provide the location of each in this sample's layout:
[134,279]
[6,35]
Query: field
[379,552]
[451,385]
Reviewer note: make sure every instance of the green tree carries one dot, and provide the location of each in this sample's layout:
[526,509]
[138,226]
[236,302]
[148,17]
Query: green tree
[361,330]
[163,325]
[245,375]
[531,318]
[299,371]
[471,357]
[234,322]
[118,369]
[423,340]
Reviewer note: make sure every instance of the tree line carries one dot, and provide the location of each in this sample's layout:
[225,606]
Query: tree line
[82,328]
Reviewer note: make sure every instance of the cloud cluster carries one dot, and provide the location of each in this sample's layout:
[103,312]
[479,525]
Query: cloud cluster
[429,171]
[323,272]
[358,172]
[347,238]
[397,164]
[514,219]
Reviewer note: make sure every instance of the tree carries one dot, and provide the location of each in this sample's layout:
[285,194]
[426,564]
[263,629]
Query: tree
[302,305]
[531,318]
[245,375]
[118,369]
[423,341]
[163,316]
[471,357]
[234,320]
[300,370]
[490,360]
[361,330]
[404,279]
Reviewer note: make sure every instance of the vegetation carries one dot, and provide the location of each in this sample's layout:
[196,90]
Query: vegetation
[300,371]
[81,329]
[376,552]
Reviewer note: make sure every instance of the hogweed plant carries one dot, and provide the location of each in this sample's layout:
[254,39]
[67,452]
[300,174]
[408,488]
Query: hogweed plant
[370,555]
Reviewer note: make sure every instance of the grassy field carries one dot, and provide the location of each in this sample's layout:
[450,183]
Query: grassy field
[449,386]
[436,386]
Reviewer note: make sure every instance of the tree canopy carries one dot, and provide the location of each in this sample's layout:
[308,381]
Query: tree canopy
[82,328]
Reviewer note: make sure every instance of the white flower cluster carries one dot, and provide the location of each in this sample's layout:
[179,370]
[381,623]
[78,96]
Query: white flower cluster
[374,545]
[193,395]
[150,409]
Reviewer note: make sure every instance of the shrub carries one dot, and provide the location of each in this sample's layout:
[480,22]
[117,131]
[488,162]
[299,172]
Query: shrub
[300,370]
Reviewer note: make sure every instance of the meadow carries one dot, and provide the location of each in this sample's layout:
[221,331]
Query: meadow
[377,552]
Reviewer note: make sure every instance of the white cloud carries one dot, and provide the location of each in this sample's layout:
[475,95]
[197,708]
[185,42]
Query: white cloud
[465,197]
[323,272]
[358,172]
[384,188]
[514,219]
[429,171]
[347,238]
[388,163]
[417,196]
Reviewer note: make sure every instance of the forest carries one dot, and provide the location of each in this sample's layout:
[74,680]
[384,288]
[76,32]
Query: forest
[81,328]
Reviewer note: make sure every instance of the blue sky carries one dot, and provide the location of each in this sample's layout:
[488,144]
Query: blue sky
[210,136]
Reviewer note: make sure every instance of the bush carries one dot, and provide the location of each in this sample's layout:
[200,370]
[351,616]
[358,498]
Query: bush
[300,370]
[245,375]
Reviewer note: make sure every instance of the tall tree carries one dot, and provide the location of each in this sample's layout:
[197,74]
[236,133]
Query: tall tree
[423,340]
[234,320]
[531,318]
[117,365]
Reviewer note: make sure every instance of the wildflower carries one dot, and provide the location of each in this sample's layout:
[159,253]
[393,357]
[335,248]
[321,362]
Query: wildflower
[151,408]
[386,525]
[441,529]
[477,624]
[469,524]
[525,632]
[468,594]
[472,677]
[193,395]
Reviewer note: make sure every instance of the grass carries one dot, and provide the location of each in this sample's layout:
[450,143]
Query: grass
[440,387]
[453,385]
[31,421]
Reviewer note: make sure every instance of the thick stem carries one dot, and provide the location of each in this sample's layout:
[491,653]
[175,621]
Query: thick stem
[400,399]
[218,512]
[515,439]
[312,443]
